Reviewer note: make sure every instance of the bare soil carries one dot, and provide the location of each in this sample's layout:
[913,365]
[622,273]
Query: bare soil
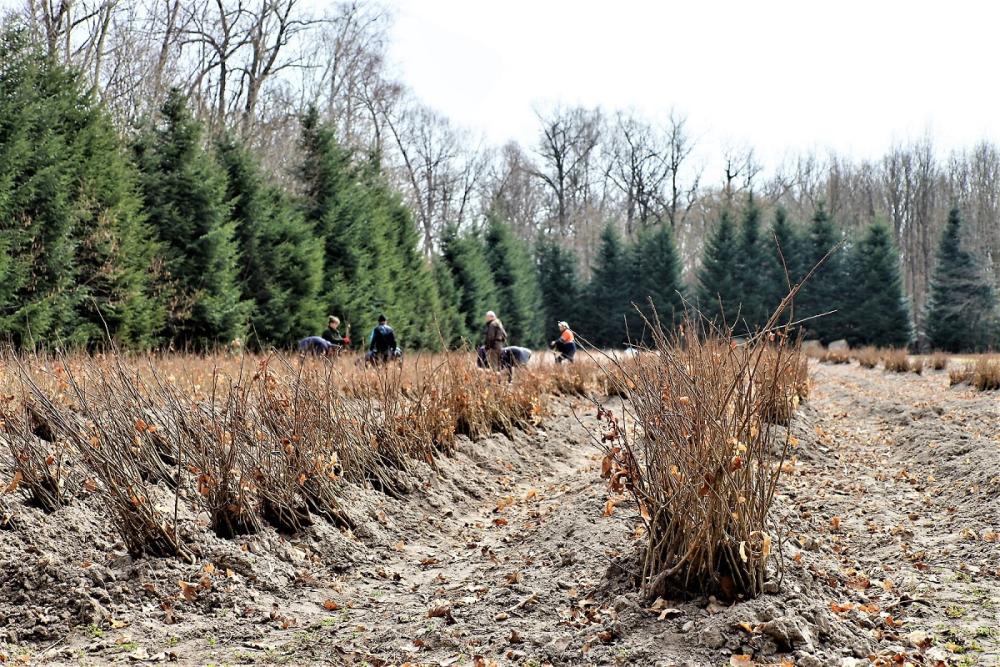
[889,510]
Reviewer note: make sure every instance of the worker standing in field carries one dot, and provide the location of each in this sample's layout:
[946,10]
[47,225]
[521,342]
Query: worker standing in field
[332,334]
[495,336]
[565,345]
[383,343]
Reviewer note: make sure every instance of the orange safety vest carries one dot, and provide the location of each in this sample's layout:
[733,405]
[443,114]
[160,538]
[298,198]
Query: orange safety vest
[566,336]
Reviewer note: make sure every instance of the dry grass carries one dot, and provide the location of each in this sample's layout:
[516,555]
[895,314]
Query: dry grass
[835,357]
[252,440]
[938,361]
[898,361]
[983,374]
[705,458]
[868,357]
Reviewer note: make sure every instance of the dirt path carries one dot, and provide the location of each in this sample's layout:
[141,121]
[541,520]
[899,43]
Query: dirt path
[899,493]
[507,552]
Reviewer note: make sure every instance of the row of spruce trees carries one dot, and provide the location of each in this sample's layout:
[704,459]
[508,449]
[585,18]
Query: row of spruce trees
[851,287]
[172,238]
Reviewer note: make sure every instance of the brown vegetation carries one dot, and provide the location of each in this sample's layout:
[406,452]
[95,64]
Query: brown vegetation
[983,374]
[938,361]
[834,357]
[868,357]
[898,361]
[252,439]
[706,456]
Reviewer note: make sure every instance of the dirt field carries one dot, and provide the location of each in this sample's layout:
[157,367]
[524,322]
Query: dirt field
[890,510]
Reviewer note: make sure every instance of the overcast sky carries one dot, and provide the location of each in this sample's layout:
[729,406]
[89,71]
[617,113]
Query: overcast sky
[781,76]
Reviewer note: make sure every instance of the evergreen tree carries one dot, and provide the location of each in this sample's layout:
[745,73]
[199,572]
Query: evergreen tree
[281,271]
[608,294]
[76,251]
[518,296]
[333,204]
[718,288]
[961,310]
[411,287]
[755,305]
[828,289]
[370,244]
[560,288]
[185,193]
[879,314]
[465,257]
[656,278]
[782,263]
[449,314]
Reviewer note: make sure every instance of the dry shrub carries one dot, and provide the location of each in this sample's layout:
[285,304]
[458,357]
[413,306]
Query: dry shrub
[84,416]
[938,361]
[790,382]
[704,462]
[580,378]
[898,361]
[868,357]
[983,374]
[835,357]
[986,374]
[960,375]
[249,439]
[41,470]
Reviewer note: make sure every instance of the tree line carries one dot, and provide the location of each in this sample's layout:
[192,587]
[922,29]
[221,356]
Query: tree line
[175,232]
[255,69]
[850,285]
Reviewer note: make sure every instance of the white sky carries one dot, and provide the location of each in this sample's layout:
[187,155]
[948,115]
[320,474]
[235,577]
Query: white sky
[782,76]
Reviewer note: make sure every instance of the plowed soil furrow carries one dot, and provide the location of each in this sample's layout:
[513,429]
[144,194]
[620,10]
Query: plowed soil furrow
[509,551]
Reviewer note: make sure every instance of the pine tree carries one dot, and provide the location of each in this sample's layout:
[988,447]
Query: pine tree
[828,289]
[449,313]
[755,306]
[782,263]
[185,193]
[608,293]
[560,287]
[465,257]
[410,286]
[718,288]
[878,315]
[77,252]
[281,271]
[370,244]
[961,311]
[518,296]
[656,278]
[333,204]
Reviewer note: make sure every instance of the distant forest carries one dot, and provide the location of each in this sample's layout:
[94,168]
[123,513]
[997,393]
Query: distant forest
[184,173]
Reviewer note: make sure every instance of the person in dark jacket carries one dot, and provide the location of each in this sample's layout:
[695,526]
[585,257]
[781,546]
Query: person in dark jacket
[495,336]
[332,333]
[383,343]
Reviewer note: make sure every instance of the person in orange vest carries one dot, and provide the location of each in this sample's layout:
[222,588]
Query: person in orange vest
[565,345]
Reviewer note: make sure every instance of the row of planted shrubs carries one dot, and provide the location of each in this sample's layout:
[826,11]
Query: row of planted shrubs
[249,440]
[982,373]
